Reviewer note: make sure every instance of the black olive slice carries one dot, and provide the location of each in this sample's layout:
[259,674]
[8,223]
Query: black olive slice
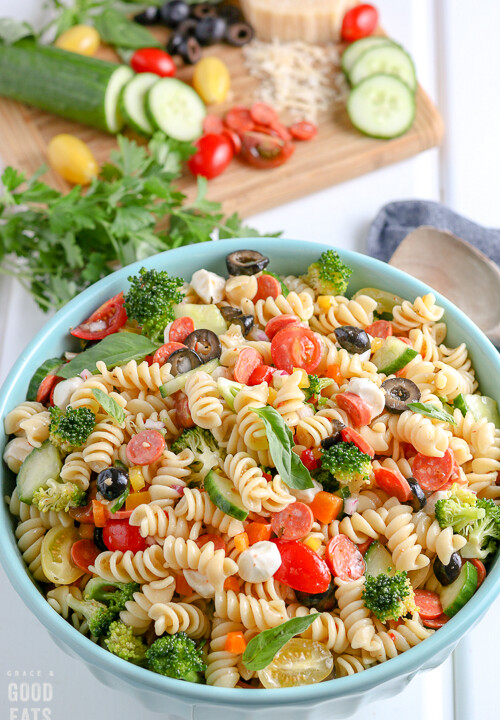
[203,10]
[229,313]
[183,361]
[323,602]
[353,339]
[398,393]
[446,574]
[239,34]
[246,262]
[230,13]
[149,16]
[174,12]
[245,322]
[174,43]
[205,343]
[335,437]
[99,539]
[190,51]
[210,30]
[418,499]
[112,482]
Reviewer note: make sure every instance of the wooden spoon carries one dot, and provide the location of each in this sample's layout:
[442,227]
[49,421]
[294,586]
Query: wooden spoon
[457,270]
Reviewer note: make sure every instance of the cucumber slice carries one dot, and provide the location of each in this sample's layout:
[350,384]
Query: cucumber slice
[384,60]
[356,49]
[483,406]
[393,355]
[224,495]
[176,109]
[133,102]
[385,300]
[381,106]
[46,368]
[454,596]
[117,82]
[178,383]
[378,560]
[207,317]
[42,464]
[228,389]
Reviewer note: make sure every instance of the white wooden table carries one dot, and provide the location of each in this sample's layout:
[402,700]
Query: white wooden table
[457,53]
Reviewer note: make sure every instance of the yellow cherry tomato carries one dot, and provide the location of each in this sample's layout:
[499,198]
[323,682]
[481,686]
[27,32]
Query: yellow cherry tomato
[211,80]
[81,39]
[71,158]
[55,554]
[299,662]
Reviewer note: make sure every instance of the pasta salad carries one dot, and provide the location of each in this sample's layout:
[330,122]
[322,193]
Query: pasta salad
[257,481]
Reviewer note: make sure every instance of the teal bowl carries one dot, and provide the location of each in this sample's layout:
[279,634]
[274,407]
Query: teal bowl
[334,699]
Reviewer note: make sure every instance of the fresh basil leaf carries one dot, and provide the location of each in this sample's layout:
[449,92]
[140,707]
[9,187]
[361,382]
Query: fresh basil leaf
[116,349]
[11,30]
[115,29]
[461,403]
[46,368]
[110,406]
[284,289]
[292,470]
[261,649]
[120,500]
[432,411]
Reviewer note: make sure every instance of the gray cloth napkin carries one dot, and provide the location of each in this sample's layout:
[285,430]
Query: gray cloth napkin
[395,220]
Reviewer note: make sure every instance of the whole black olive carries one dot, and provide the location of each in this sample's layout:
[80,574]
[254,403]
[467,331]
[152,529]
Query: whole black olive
[99,540]
[230,13]
[239,34]
[323,602]
[446,574]
[190,50]
[187,27]
[149,16]
[245,322]
[203,10]
[229,313]
[335,437]
[205,343]
[174,43]
[174,12]
[418,499]
[246,262]
[353,339]
[183,361]
[112,482]
[210,30]
[398,393]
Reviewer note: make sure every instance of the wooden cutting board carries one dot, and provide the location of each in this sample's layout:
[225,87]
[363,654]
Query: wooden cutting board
[338,153]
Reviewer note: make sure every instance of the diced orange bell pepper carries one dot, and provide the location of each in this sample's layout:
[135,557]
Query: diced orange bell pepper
[241,541]
[100,513]
[182,586]
[333,372]
[232,583]
[257,532]
[235,642]
[326,506]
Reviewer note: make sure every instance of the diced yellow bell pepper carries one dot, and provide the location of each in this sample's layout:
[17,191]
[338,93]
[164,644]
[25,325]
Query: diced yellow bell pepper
[376,344]
[136,478]
[304,382]
[313,542]
[138,498]
[272,396]
[325,302]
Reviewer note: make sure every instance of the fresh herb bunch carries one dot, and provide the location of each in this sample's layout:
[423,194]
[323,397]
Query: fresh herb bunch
[57,245]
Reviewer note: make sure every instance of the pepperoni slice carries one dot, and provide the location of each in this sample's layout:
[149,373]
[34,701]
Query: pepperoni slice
[380,329]
[292,523]
[212,124]
[428,604]
[267,286]
[393,483]
[84,553]
[358,410]
[481,570]
[303,130]
[46,388]
[146,447]
[234,139]
[180,329]
[344,559]
[349,435]
[239,119]
[247,361]
[262,373]
[280,322]
[432,473]
[263,114]
[218,542]
[296,347]
[436,623]
[163,353]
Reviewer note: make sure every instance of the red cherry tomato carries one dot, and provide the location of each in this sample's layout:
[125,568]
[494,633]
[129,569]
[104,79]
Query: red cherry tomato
[182,412]
[280,131]
[163,353]
[119,535]
[280,322]
[46,388]
[84,553]
[238,119]
[264,151]
[247,361]
[212,124]
[344,559]
[235,140]
[301,568]
[218,542]
[359,22]
[296,347]
[146,447]
[435,623]
[481,570]
[363,547]
[51,396]
[267,286]
[106,320]
[393,483]
[292,523]
[358,410]
[381,329]
[432,473]
[262,373]
[153,60]
[349,435]
[428,604]
[212,157]
[308,459]
[263,114]
[180,329]
[303,130]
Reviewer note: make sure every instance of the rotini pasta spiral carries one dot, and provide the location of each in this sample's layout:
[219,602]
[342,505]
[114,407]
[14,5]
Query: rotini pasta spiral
[328,628]
[29,536]
[239,288]
[357,619]
[174,617]
[143,566]
[102,445]
[136,613]
[180,554]
[357,312]
[414,315]
[132,375]
[196,505]
[432,537]
[408,634]
[419,431]
[402,539]
[350,664]
[76,470]
[84,397]
[15,453]
[170,480]
[36,428]
[252,613]
[204,401]
[222,668]
[157,522]
[23,411]
[300,304]
[290,399]
[250,426]
[247,479]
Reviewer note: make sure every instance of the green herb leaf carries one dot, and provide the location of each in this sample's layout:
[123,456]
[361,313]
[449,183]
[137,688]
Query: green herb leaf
[110,406]
[292,470]
[284,289]
[11,30]
[461,403]
[116,349]
[261,649]
[120,500]
[431,411]
[115,29]
[46,368]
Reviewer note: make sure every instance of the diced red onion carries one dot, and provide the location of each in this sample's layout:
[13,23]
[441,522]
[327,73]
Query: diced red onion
[85,374]
[154,424]
[258,335]
[350,504]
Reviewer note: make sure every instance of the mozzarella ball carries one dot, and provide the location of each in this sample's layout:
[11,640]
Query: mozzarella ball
[259,562]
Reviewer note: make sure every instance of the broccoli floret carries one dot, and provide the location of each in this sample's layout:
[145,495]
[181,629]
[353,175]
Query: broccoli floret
[110,592]
[347,464]
[203,445]
[151,299]
[97,614]
[483,535]
[176,656]
[316,385]
[389,597]
[325,478]
[459,509]
[121,641]
[329,275]
[58,496]
[70,431]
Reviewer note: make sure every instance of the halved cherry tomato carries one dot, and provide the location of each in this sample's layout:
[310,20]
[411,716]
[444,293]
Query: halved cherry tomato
[393,483]
[292,523]
[84,553]
[280,322]
[264,151]
[153,60]
[267,286]
[428,604]
[149,359]
[234,139]
[238,119]
[212,124]
[119,535]
[435,623]
[301,568]
[309,460]
[432,473]
[358,410]
[344,559]
[296,347]
[218,542]
[165,351]
[481,570]
[146,447]
[303,130]
[280,131]
[180,329]
[248,359]
[182,411]
[262,373]
[46,388]
[263,114]
[381,329]
[363,547]
[213,155]
[349,435]
[359,22]
[107,319]
[267,477]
